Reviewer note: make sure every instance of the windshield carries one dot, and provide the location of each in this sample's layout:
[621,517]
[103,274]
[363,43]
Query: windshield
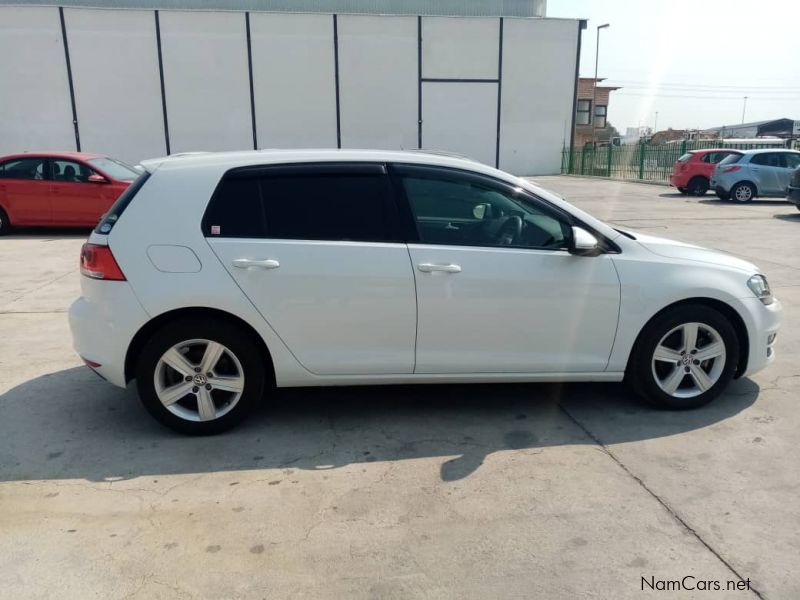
[114,168]
[685,157]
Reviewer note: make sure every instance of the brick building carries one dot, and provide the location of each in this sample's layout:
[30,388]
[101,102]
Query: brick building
[588,116]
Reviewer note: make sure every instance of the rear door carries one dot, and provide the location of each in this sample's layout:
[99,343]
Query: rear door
[76,200]
[764,169]
[317,250]
[25,190]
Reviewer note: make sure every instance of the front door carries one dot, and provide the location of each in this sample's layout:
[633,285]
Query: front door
[765,167]
[497,291]
[315,248]
[77,201]
[25,189]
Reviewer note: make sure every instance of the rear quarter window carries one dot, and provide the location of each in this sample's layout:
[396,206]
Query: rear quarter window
[685,157]
[731,159]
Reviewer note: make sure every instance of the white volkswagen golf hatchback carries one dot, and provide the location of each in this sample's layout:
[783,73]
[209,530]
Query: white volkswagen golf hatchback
[218,276]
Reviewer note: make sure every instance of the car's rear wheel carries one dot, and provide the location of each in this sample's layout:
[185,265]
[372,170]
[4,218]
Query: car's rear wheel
[682,190]
[200,377]
[743,192]
[684,358]
[5,224]
[698,186]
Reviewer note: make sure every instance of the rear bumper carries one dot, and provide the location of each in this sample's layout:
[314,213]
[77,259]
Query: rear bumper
[103,322]
[677,181]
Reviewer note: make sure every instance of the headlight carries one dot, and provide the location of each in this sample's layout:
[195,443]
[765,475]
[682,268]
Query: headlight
[759,286]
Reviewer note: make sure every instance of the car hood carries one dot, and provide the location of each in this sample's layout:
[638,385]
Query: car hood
[680,250]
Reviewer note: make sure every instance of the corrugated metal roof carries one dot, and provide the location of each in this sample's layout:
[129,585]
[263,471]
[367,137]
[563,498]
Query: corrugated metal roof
[466,8]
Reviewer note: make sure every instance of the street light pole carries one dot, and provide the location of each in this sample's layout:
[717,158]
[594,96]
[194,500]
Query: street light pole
[655,124]
[594,86]
[744,108]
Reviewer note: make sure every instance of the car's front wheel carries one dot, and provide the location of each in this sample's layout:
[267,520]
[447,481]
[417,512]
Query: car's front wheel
[200,377]
[723,195]
[684,358]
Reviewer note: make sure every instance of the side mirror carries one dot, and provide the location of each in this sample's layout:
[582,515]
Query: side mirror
[583,243]
[95,178]
[479,211]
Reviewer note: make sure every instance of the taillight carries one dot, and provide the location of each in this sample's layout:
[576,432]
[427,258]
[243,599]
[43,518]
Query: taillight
[731,169]
[97,262]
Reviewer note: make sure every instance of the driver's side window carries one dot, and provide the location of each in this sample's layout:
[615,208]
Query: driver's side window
[452,208]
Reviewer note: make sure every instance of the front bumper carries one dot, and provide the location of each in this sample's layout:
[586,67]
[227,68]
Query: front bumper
[793,195]
[763,323]
[103,322]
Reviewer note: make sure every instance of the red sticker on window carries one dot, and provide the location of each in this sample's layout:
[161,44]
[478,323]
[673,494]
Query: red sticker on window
[215,230]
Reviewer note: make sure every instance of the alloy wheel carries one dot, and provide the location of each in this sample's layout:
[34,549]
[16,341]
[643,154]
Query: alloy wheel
[689,360]
[743,193]
[199,380]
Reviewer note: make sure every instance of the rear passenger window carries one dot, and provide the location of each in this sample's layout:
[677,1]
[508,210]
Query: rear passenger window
[326,207]
[235,209]
[299,203]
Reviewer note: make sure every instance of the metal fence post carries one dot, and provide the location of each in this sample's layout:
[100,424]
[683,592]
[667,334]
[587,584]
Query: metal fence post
[608,171]
[683,147]
[583,160]
[641,161]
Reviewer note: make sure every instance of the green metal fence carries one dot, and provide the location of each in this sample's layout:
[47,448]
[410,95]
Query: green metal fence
[635,161]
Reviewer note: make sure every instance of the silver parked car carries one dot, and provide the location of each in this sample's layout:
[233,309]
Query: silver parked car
[755,173]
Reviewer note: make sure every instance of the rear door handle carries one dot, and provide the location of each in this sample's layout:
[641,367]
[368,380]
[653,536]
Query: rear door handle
[431,267]
[251,263]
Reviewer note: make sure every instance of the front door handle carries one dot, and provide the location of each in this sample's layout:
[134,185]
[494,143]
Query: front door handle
[251,263]
[430,268]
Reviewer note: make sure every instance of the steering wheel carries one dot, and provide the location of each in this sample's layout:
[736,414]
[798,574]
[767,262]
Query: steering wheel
[510,231]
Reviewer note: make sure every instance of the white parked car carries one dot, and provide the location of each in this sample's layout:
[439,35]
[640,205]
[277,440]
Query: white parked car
[218,276]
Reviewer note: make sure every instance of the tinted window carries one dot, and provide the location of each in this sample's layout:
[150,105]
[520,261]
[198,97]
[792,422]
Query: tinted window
[767,159]
[235,210]
[70,171]
[109,219]
[714,157]
[451,208]
[792,160]
[23,168]
[335,203]
[326,207]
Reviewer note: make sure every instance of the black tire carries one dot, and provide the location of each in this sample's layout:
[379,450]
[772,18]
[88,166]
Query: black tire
[682,191]
[5,224]
[743,192]
[698,186]
[723,195]
[640,372]
[236,340]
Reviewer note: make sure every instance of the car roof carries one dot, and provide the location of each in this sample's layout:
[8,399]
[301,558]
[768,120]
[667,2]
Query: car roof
[51,154]
[707,150]
[228,160]
[763,150]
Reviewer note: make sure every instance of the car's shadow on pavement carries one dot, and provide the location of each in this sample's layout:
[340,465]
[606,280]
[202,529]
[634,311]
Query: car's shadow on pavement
[794,217]
[72,425]
[39,233]
[713,201]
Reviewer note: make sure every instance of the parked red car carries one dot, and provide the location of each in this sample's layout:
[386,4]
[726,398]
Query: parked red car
[61,189]
[691,173]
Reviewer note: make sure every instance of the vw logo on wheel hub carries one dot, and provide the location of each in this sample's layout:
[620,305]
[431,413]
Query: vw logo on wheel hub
[200,379]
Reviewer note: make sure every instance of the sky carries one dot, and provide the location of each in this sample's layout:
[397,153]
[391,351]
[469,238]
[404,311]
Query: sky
[692,61]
